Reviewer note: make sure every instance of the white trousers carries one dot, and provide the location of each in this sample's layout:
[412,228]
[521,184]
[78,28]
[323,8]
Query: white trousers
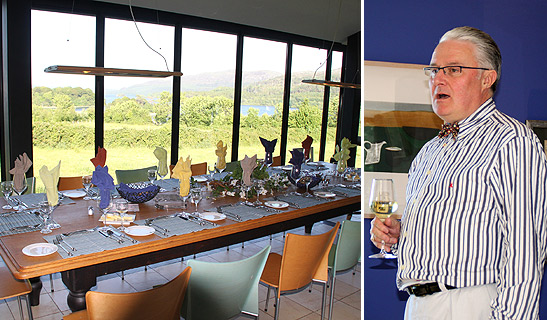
[469,303]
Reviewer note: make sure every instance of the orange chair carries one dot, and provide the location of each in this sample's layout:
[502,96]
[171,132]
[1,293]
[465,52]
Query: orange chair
[12,287]
[304,260]
[276,161]
[163,302]
[70,183]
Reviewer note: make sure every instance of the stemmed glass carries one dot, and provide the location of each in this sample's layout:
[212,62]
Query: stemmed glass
[258,185]
[382,203]
[121,206]
[20,190]
[195,193]
[219,170]
[7,189]
[86,181]
[162,175]
[152,175]
[45,214]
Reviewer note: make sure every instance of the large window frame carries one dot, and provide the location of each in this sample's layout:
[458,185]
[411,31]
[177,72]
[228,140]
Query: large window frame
[102,10]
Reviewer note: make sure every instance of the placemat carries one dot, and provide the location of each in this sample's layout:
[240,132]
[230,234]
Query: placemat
[344,191]
[19,222]
[170,226]
[168,184]
[299,201]
[32,200]
[245,212]
[88,241]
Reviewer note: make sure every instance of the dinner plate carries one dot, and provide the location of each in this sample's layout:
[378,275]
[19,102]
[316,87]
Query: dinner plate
[324,194]
[199,178]
[287,168]
[276,204]
[139,231]
[212,216]
[74,193]
[39,249]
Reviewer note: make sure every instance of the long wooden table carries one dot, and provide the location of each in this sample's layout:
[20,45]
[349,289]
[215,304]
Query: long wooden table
[79,273]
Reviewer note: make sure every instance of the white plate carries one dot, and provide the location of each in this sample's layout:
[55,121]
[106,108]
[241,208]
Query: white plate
[276,204]
[286,168]
[324,194]
[126,222]
[212,216]
[74,193]
[139,231]
[199,178]
[39,249]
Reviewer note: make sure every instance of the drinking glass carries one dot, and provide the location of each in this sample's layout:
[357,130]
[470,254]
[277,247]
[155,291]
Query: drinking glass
[7,189]
[212,170]
[382,203]
[160,174]
[219,170]
[121,206]
[86,181]
[22,188]
[259,184]
[195,193]
[152,175]
[45,214]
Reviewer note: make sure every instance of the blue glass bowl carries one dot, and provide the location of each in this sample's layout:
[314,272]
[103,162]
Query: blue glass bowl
[138,193]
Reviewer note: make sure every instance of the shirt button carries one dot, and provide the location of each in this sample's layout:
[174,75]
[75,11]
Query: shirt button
[402,267]
[428,172]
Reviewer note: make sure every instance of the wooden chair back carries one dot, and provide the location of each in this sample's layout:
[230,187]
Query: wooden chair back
[70,183]
[163,302]
[276,161]
[199,168]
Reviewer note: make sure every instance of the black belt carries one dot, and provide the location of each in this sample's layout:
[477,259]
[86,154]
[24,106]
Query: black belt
[420,290]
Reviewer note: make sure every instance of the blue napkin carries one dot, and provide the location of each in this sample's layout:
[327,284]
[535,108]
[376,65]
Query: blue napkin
[269,146]
[297,157]
[105,183]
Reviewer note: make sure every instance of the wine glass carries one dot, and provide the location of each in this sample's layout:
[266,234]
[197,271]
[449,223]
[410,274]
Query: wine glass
[212,170]
[259,184]
[45,214]
[195,193]
[7,189]
[152,175]
[160,173]
[86,181]
[20,189]
[382,203]
[121,206]
[220,170]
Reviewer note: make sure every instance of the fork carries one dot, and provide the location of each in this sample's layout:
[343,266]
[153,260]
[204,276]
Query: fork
[56,242]
[60,239]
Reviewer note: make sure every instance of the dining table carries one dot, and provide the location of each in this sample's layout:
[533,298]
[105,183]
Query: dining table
[86,254]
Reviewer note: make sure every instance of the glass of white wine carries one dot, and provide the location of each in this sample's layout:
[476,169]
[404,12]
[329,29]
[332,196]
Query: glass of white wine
[382,203]
[121,206]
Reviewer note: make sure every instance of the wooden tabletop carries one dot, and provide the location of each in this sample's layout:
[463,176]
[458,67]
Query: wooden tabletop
[75,216]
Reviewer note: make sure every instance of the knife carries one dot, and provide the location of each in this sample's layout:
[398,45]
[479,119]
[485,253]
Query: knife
[122,235]
[105,234]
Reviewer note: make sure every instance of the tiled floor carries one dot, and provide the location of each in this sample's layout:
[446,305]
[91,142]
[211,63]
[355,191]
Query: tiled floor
[303,305]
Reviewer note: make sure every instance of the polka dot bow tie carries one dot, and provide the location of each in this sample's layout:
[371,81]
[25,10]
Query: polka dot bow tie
[450,129]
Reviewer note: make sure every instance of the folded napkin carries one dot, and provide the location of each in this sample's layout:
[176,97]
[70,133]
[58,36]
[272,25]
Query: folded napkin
[306,145]
[22,164]
[342,151]
[183,172]
[161,155]
[50,178]
[221,155]
[297,157]
[102,179]
[248,165]
[100,158]
[269,147]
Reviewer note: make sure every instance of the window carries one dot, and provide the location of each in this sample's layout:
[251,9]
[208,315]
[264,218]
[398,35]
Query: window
[207,94]
[63,109]
[262,95]
[137,115]
[334,105]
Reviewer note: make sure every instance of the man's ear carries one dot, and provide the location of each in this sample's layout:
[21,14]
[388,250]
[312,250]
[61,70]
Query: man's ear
[488,78]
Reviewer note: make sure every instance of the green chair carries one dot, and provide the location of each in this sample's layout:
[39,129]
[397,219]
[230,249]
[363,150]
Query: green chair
[345,254]
[134,175]
[224,290]
[230,166]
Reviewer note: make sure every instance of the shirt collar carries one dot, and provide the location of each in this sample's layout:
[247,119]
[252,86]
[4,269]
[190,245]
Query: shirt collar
[477,117]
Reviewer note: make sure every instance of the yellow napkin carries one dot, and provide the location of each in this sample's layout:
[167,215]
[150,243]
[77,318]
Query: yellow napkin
[248,165]
[50,178]
[183,172]
[161,154]
[221,154]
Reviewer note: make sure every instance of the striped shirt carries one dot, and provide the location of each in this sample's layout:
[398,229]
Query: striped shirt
[476,212]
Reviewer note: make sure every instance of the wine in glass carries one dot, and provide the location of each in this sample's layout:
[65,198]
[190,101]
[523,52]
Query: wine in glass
[382,203]
[7,189]
[86,181]
[121,206]
[195,194]
[152,175]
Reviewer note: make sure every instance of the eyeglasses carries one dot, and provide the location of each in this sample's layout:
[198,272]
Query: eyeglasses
[451,71]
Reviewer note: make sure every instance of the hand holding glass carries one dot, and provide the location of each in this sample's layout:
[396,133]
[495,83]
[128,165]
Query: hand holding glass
[382,203]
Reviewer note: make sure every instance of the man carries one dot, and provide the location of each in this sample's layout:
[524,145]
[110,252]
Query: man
[472,240]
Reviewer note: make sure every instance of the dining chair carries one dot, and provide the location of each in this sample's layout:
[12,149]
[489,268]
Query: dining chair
[133,175]
[199,168]
[276,161]
[304,260]
[230,166]
[162,302]
[11,287]
[224,290]
[344,255]
[70,183]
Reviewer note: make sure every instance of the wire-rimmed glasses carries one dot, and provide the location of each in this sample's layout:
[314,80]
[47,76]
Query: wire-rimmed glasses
[451,71]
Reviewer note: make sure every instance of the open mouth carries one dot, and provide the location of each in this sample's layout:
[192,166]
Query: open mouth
[442,96]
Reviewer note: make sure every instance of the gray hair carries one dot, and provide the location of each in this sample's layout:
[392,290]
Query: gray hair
[487,52]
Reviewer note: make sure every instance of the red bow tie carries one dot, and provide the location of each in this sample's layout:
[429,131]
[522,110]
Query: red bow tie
[450,129]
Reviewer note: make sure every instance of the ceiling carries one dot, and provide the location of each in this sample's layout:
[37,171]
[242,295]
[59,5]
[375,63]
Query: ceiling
[322,19]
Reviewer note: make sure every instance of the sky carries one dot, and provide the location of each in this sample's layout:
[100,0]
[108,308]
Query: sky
[67,39]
